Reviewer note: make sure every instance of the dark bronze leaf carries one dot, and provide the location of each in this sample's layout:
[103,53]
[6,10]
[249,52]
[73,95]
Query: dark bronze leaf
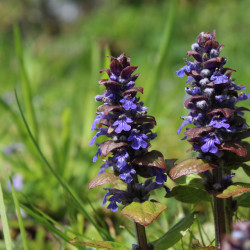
[151,159]
[103,179]
[196,132]
[233,147]
[214,62]
[109,108]
[133,91]
[197,56]
[108,146]
[211,44]
[126,73]
[147,118]
[225,111]
[115,67]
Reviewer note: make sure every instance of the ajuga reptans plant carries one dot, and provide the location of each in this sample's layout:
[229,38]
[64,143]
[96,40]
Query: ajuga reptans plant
[219,124]
[123,119]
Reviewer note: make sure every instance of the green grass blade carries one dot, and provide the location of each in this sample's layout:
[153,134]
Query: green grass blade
[6,230]
[25,83]
[45,222]
[103,233]
[19,217]
[23,133]
[152,88]
[65,144]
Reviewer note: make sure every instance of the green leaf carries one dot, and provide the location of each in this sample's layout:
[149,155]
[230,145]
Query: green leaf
[172,236]
[25,84]
[246,169]
[100,244]
[243,200]
[190,166]
[4,221]
[234,190]
[189,194]
[196,246]
[103,179]
[144,213]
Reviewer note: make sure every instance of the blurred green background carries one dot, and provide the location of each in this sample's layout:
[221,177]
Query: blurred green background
[64,46]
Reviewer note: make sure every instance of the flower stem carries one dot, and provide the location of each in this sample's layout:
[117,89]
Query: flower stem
[141,236]
[219,209]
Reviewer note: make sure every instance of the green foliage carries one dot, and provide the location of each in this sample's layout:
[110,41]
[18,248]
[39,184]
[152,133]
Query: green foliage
[189,194]
[144,213]
[173,235]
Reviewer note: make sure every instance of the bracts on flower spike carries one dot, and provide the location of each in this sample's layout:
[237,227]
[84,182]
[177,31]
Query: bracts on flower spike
[219,124]
[123,119]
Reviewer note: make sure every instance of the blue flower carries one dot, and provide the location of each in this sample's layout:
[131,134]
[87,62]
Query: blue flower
[138,139]
[127,172]
[219,122]
[218,78]
[190,78]
[187,120]
[193,91]
[128,103]
[188,68]
[209,145]
[160,176]
[97,119]
[122,124]
[243,97]
[102,131]
[98,153]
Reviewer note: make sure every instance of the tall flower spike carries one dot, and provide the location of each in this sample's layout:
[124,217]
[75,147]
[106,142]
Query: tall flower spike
[124,120]
[219,123]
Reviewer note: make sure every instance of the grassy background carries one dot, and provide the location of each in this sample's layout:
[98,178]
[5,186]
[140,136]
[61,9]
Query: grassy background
[62,60]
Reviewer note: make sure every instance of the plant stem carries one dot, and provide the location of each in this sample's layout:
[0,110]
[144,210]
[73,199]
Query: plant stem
[219,209]
[140,230]
[141,236]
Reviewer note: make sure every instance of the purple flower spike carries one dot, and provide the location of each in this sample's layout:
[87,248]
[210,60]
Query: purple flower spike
[122,124]
[212,105]
[138,139]
[209,145]
[123,119]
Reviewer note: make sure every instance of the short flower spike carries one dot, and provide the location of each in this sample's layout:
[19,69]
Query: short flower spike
[123,119]
[219,123]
